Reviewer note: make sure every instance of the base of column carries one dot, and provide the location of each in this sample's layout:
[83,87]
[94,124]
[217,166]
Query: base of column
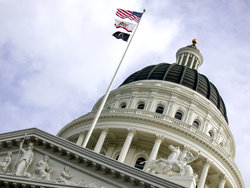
[185,181]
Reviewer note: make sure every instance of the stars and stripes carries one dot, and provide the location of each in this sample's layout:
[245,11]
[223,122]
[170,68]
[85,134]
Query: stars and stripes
[128,26]
[135,16]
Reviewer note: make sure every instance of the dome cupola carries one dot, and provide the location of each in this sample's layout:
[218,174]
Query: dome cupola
[189,56]
[161,110]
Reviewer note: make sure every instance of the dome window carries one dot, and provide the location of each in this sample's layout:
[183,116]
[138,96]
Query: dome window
[123,105]
[211,133]
[196,124]
[159,110]
[141,106]
[139,162]
[178,116]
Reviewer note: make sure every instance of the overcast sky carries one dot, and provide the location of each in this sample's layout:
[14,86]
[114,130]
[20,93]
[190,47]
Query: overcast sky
[58,57]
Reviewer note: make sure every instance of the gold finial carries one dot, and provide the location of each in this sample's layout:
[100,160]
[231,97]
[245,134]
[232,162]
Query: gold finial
[194,41]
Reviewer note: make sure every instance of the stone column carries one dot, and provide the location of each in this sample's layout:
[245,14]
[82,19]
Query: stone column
[197,64]
[192,62]
[222,181]
[182,56]
[156,147]
[187,59]
[204,172]
[101,140]
[126,145]
[80,138]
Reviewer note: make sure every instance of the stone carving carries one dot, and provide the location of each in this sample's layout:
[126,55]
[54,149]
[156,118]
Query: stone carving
[175,164]
[65,177]
[5,163]
[92,185]
[43,170]
[24,161]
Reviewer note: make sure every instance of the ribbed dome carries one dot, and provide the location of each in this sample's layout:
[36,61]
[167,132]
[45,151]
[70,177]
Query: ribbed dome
[181,75]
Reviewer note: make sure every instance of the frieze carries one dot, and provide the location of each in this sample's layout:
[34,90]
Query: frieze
[41,158]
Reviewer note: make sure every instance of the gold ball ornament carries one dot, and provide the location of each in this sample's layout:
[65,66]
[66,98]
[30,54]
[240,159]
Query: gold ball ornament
[194,41]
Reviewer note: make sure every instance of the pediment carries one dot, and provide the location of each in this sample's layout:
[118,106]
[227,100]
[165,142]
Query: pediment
[65,164]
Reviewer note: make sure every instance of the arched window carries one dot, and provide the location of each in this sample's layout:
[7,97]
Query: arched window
[211,133]
[123,105]
[196,124]
[138,163]
[117,157]
[159,110]
[141,106]
[178,116]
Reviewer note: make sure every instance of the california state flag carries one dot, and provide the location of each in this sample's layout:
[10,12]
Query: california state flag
[129,27]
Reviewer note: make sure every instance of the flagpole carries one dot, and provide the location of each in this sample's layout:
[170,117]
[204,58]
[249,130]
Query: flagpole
[108,91]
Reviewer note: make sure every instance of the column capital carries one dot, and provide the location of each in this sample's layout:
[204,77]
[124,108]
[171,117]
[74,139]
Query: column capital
[159,137]
[131,132]
[207,162]
[105,130]
[81,132]
[223,177]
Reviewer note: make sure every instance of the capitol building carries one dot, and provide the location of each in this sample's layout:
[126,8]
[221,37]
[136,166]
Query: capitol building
[165,126]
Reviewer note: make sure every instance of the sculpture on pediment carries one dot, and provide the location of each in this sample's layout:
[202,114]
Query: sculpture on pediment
[175,164]
[5,163]
[24,161]
[43,170]
[65,177]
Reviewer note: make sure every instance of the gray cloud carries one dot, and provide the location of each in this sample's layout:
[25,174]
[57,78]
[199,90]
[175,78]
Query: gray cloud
[57,57]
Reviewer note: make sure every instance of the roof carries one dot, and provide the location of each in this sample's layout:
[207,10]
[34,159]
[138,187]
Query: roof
[184,76]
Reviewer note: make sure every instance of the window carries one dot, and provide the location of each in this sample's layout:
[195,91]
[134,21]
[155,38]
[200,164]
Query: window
[123,105]
[196,124]
[178,116]
[159,110]
[141,106]
[211,134]
[139,162]
[117,157]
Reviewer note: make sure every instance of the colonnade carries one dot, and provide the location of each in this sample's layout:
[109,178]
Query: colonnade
[153,154]
[194,64]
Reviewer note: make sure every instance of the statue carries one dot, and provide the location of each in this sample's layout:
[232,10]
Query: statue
[175,164]
[175,153]
[24,161]
[6,162]
[65,177]
[43,170]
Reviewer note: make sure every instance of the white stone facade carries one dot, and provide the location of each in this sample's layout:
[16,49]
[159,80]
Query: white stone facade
[217,146]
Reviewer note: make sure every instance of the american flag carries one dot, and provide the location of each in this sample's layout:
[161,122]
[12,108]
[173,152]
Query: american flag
[136,16]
